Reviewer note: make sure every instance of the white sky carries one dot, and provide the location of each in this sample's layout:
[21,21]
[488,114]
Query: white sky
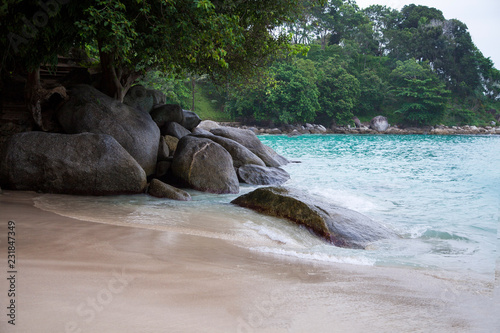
[482,17]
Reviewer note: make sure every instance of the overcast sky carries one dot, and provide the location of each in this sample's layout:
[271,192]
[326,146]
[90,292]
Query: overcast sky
[482,17]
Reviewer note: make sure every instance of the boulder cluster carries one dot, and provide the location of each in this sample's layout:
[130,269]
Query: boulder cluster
[109,147]
[144,145]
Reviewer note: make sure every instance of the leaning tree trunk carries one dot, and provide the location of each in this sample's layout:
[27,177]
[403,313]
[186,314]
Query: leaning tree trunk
[36,95]
[115,81]
[193,91]
[32,94]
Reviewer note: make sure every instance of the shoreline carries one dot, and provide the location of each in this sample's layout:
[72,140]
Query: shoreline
[319,129]
[297,130]
[79,276]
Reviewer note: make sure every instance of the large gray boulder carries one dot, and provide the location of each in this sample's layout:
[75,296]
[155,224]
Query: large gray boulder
[163,114]
[248,139]
[191,120]
[159,189]
[357,122]
[198,130]
[277,157]
[140,98]
[340,226]
[175,129]
[208,125]
[89,110]
[205,166]
[162,169]
[239,153]
[379,124]
[86,164]
[163,150]
[262,175]
[144,99]
[159,98]
[171,142]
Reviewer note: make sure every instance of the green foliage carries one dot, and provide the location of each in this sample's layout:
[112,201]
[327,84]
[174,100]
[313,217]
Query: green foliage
[287,95]
[490,78]
[339,92]
[471,110]
[352,68]
[224,38]
[248,101]
[26,26]
[207,108]
[159,34]
[373,92]
[422,95]
[423,33]
[413,15]
[460,116]
[401,64]
[293,97]
[176,89]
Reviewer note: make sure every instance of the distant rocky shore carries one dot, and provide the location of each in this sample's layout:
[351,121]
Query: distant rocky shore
[292,130]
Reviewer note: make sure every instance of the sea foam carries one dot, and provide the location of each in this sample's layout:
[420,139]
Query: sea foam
[317,256]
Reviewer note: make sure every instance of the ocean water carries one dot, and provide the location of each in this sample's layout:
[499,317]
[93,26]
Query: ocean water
[440,193]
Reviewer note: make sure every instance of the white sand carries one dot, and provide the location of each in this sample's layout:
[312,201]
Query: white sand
[77,276]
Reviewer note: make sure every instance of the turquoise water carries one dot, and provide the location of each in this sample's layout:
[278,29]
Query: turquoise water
[440,193]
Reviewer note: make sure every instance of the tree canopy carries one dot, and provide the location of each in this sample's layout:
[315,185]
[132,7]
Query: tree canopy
[358,61]
[219,37]
[422,94]
[413,65]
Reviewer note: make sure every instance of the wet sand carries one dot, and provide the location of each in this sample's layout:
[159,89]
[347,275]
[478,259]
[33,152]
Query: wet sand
[78,276]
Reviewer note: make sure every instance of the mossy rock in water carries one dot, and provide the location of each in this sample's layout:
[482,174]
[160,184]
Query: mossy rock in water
[340,226]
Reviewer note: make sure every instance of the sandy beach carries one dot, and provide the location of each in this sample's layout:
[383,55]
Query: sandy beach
[79,276]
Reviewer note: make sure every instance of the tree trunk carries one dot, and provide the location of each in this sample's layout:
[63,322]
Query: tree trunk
[109,84]
[193,86]
[115,81]
[35,94]
[32,92]
[323,42]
